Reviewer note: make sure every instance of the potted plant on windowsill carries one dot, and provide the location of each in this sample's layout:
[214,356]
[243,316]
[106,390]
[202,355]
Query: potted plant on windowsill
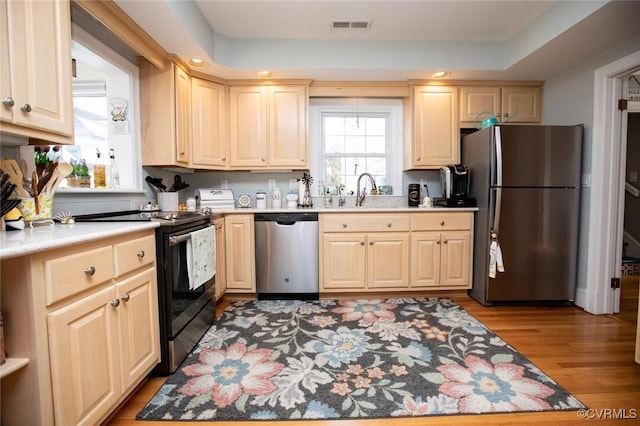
[79,177]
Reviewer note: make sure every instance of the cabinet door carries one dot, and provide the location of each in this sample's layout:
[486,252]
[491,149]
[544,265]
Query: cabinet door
[388,260]
[524,102]
[248,126]
[221,258]
[344,266]
[476,99]
[183,117]
[138,321]
[240,253]
[455,263]
[436,131]
[288,127]
[425,259]
[85,363]
[36,69]
[210,124]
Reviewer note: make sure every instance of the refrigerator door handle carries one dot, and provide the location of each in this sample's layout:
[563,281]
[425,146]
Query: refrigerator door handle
[498,183]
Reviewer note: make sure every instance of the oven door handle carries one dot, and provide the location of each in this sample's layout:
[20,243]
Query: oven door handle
[178,239]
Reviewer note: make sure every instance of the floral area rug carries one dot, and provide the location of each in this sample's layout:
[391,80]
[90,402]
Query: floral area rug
[330,359]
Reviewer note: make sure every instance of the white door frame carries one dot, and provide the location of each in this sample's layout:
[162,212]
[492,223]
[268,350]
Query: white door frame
[604,250]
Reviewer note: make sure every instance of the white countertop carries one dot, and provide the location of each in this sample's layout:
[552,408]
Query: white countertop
[398,209]
[41,238]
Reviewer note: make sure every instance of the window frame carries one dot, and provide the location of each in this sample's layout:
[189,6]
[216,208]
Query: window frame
[392,107]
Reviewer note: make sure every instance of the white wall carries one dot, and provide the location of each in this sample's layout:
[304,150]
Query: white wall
[568,99]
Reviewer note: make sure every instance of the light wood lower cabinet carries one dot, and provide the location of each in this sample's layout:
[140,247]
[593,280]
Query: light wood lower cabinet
[395,252]
[89,345]
[240,253]
[221,258]
[364,261]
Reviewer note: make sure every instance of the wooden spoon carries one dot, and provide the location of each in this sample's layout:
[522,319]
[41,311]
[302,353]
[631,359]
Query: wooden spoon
[11,168]
[62,171]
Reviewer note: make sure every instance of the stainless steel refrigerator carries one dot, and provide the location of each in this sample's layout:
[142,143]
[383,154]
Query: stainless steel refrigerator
[526,180]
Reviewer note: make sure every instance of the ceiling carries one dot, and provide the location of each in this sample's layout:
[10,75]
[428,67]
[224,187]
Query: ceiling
[516,40]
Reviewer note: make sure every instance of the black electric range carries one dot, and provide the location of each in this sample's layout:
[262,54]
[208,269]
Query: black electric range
[164,218]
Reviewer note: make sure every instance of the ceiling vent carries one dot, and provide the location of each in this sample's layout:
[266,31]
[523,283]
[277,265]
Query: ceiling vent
[360,24]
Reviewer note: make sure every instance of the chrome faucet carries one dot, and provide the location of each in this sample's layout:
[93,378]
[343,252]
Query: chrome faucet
[360,196]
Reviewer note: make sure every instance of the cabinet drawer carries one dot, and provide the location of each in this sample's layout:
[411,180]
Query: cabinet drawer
[441,221]
[134,254]
[365,222]
[71,274]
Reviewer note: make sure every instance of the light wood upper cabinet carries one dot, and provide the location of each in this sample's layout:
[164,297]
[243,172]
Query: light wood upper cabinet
[240,253]
[165,115]
[35,79]
[512,103]
[209,123]
[268,127]
[435,132]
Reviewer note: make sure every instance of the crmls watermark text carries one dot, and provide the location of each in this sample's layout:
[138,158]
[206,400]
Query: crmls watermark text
[607,413]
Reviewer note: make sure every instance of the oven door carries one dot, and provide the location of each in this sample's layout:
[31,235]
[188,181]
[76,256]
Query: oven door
[184,303]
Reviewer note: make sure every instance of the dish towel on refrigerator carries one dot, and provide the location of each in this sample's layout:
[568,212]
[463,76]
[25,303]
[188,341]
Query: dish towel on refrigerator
[201,256]
[496,263]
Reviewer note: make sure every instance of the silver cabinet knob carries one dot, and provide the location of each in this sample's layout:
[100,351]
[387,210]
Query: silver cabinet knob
[445,241]
[389,225]
[344,225]
[361,243]
[90,271]
[115,303]
[263,159]
[438,242]
[126,297]
[224,158]
[442,223]
[26,108]
[8,101]
[418,158]
[140,254]
[370,243]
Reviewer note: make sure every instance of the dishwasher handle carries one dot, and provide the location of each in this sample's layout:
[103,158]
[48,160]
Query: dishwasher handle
[286,218]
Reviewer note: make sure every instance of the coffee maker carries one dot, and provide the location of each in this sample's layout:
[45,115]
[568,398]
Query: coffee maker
[455,180]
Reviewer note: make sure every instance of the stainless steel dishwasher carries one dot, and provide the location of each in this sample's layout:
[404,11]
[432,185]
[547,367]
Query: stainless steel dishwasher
[286,255]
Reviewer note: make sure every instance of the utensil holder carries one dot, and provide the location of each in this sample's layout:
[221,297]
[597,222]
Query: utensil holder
[28,208]
[168,201]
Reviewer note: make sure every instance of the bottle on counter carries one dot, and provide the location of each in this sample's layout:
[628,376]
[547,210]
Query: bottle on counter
[276,198]
[114,173]
[99,172]
[261,200]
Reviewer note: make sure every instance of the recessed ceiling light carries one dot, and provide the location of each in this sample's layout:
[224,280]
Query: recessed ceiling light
[441,74]
[198,63]
[265,74]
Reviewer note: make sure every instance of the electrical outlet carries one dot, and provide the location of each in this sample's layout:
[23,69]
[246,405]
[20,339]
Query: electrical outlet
[272,183]
[633,177]
[586,180]
[224,184]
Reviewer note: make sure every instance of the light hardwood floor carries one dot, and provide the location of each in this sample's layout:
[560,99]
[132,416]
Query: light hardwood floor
[590,356]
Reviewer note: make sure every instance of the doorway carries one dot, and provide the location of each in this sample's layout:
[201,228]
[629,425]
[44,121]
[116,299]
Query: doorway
[605,217]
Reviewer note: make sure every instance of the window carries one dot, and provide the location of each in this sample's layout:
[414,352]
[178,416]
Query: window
[353,144]
[353,136]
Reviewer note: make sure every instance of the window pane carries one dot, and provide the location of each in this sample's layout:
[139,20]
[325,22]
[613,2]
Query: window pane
[334,173]
[334,126]
[352,126]
[354,144]
[334,144]
[377,166]
[376,125]
[376,145]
